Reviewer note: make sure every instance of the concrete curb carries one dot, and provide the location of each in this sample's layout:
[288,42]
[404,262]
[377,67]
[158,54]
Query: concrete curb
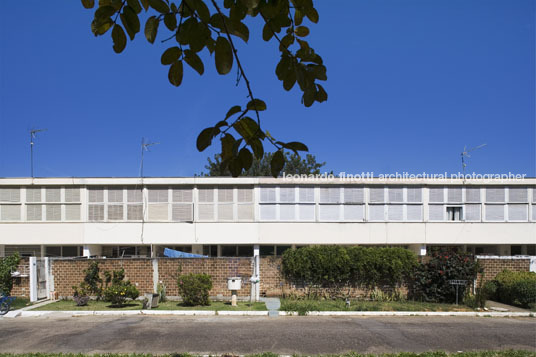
[30,313]
[412,313]
[243,313]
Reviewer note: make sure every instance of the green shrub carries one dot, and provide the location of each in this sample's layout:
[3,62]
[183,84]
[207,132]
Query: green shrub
[336,267]
[120,290]
[93,280]
[524,292]
[7,265]
[194,289]
[490,290]
[516,288]
[431,280]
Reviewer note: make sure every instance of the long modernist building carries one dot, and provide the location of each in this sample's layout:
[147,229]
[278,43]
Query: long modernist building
[130,217]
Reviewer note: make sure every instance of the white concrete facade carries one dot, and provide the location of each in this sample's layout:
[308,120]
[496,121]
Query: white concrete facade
[96,212]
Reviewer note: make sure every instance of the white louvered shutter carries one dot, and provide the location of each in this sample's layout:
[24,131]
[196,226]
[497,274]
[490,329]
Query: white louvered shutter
[376,212]
[225,212]
[396,194]
[437,194]
[534,194]
[287,213]
[9,194]
[96,212]
[158,212]
[353,212]
[395,212]
[206,194]
[158,195]
[472,194]
[182,195]
[244,194]
[72,194]
[376,194]
[518,212]
[330,195]
[268,212]
[53,212]
[53,195]
[454,194]
[205,212]
[10,212]
[182,212]
[225,195]
[134,195]
[329,212]
[33,194]
[95,194]
[495,194]
[414,194]
[267,194]
[115,212]
[354,195]
[436,213]
[494,212]
[72,212]
[134,212]
[414,212]
[307,194]
[517,194]
[34,212]
[306,212]
[534,212]
[115,195]
[287,194]
[245,212]
[472,212]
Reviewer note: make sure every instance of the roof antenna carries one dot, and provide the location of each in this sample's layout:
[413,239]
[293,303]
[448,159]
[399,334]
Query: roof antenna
[33,134]
[144,147]
[465,154]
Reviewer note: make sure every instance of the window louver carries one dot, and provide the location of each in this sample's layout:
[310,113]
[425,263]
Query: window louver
[9,194]
[225,212]
[494,212]
[10,212]
[182,195]
[245,212]
[245,195]
[53,195]
[396,194]
[306,212]
[395,212]
[72,212]
[134,212]
[34,212]
[268,212]
[134,195]
[96,212]
[267,194]
[454,194]
[158,212]
[72,194]
[53,212]
[436,213]
[414,212]
[307,194]
[472,194]
[495,194]
[517,212]
[115,195]
[354,195]
[115,212]
[182,212]
[329,212]
[376,194]
[205,212]
[158,195]
[287,194]
[287,213]
[33,194]
[353,212]
[225,195]
[95,194]
[517,194]
[436,194]
[330,195]
[472,212]
[376,213]
[414,194]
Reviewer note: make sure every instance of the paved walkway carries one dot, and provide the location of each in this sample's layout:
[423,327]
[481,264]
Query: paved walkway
[497,306]
[244,335]
[272,304]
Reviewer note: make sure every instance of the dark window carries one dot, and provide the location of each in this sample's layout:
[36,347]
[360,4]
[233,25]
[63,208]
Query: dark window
[245,251]
[515,250]
[210,250]
[266,250]
[53,251]
[282,248]
[70,251]
[228,250]
[454,213]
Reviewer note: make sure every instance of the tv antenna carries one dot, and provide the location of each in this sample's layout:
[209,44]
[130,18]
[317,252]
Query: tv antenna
[465,154]
[33,134]
[144,147]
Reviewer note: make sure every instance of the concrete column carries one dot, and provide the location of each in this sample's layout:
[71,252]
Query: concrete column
[155,275]
[153,251]
[257,257]
[33,279]
[43,251]
[219,250]
[49,278]
[2,250]
[524,249]
[197,249]
[91,250]
[504,250]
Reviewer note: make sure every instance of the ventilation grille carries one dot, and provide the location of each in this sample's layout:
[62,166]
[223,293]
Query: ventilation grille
[472,194]
[414,212]
[33,194]
[494,212]
[517,212]
[354,195]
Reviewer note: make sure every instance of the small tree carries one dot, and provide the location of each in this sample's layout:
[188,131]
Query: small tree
[194,289]
[120,290]
[93,279]
[7,265]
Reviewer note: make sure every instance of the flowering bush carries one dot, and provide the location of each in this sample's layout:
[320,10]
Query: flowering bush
[120,290]
[7,264]
[431,280]
[194,289]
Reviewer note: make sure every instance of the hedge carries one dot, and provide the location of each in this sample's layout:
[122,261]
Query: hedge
[513,288]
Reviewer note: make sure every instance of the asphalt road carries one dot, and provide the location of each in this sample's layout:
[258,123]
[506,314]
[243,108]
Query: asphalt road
[284,335]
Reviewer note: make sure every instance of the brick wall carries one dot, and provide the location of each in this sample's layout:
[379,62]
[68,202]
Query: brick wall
[21,286]
[494,265]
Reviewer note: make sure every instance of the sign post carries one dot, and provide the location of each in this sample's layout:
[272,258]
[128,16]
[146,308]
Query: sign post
[457,283]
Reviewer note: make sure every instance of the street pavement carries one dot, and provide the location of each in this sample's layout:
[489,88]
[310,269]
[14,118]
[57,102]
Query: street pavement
[283,335]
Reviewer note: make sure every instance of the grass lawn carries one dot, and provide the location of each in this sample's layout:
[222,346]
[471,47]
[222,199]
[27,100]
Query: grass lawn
[358,305]
[69,305]
[504,353]
[19,303]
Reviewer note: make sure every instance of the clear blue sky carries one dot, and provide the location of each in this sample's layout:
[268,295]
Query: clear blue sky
[409,82]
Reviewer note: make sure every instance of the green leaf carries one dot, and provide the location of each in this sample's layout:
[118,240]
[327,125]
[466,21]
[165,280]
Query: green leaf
[256,104]
[267,32]
[227,145]
[202,10]
[250,4]
[248,129]
[130,21]
[135,5]
[258,149]
[119,38]
[104,12]
[175,73]
[151,28]
[312,14]
[245,157]
[145,4]
[101,26]
[235,167]
[204,139]
[170,55]
[320,72]
[298,17]
[159,5]
[224,56]
[198,36]
[301,31]
[308,97]
[88,4]
[233,111]
[296,146]
[289,80]
[170,20]
[277,163]
[321,95]
[194,61]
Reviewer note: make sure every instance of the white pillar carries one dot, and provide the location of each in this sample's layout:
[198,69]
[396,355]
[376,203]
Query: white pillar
[91,250]
[43,251]
[257,257]
[48,275]
[33,279]
[155,275]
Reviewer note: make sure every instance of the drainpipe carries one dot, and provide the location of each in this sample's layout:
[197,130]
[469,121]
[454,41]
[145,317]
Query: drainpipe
[255,282]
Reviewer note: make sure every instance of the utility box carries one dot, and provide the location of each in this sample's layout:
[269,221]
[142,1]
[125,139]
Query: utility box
[234,283]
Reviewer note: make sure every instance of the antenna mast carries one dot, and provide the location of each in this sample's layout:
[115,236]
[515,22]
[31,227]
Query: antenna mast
[144,147]
[465,154]
[33,134]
